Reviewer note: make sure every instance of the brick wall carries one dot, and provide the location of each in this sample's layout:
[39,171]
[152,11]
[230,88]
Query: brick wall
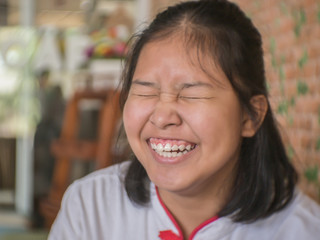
[291,35]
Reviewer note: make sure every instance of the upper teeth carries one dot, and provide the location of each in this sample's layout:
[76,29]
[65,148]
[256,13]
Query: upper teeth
[170,148]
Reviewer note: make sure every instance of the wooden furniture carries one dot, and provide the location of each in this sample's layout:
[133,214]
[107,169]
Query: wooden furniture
[7,170]
[68,148]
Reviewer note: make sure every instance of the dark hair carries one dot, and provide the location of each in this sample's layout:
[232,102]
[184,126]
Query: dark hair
[265,179]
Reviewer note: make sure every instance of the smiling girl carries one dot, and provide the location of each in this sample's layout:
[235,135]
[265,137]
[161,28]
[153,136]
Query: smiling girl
[208,161]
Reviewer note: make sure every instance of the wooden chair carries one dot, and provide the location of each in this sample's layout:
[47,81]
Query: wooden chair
[68,148]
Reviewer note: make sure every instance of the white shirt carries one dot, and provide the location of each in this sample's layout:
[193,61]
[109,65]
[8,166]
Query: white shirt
[97,208]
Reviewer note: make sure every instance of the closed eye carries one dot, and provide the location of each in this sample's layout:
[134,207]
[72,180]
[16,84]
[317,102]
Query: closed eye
[144,89]
[146,95]
[194,97]
[196,91]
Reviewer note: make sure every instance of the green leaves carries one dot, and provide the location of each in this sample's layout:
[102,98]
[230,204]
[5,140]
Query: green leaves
[300,18]
[273,53]
[311,174]
[290,152]
[283,107]
[318,144]
[303,60]
[284,8]
[318,13]
[302,88]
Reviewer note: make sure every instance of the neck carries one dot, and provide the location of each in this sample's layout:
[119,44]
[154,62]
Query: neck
[192,210]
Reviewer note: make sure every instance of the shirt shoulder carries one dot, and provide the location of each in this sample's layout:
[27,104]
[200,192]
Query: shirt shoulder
[97,186]
[116,172]
[93,205]
[300,219]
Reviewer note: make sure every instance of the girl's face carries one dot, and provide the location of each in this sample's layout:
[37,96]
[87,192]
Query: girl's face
[183,127]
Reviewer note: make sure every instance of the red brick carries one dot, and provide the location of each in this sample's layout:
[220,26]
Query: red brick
[306,140]
[309,5]
[314,49]
[310,69]
[290,89]
[286,24]
[302,121]
[292,71]
[312,158]
[284,41]
[294,54]
[311,31]
[306,104]
[314,86]
[318,68]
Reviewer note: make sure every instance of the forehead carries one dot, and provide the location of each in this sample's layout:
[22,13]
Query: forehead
[179,53]
[164,51]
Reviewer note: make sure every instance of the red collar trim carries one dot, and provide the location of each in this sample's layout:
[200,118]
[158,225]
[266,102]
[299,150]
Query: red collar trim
[202,225]
[169,235]
[180,237]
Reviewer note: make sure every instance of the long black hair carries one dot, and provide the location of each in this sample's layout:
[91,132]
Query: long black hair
[265,179]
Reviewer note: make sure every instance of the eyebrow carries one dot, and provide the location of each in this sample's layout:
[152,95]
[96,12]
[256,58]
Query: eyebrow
[196,84]
[143,83]
[182,86]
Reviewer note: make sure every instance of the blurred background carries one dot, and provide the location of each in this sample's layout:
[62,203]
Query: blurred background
[59,59]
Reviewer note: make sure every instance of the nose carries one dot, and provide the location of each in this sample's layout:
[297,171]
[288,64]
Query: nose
[165,113]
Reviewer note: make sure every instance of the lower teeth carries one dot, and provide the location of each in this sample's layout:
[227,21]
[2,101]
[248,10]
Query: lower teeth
[171,154]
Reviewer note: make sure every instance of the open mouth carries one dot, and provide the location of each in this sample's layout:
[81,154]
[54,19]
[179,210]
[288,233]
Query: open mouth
[171,148]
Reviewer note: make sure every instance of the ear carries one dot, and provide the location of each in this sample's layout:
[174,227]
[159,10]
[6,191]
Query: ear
[251,125]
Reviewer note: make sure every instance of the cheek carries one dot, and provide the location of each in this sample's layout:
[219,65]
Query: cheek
[135,115]
[130,118]
[215,125]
